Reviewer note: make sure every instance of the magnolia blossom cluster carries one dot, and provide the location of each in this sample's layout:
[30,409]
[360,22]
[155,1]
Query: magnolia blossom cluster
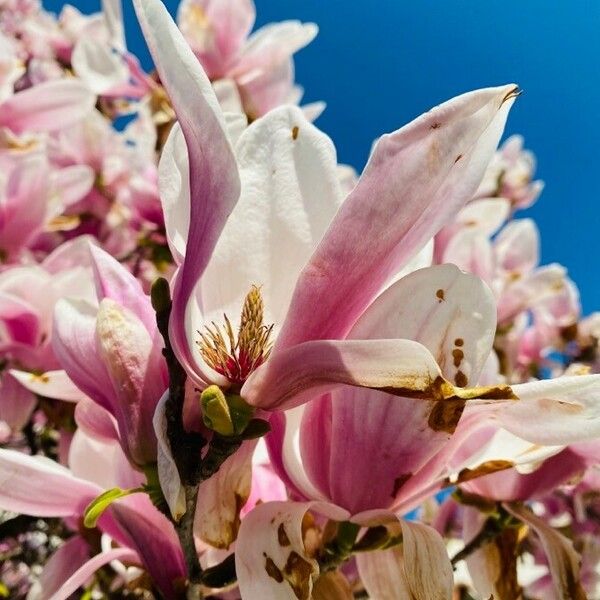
[230,367]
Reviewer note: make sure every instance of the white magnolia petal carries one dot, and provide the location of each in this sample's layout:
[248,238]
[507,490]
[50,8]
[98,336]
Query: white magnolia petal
[270,557]
[168,474]
[51,384]
[419,569]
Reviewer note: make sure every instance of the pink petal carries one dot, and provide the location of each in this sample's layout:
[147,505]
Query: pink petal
[74,343]
[85,572]
[38,486]
[416,180]
[418,569]
[17,403]
[115,282]
[564,562]
[48,106]
[154,539]
[96,421]
[69,558]
[214,180]
[322,365]
[218,42]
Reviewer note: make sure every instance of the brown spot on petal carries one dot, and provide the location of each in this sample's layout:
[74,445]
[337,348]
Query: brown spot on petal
[459,342]
[458,158]
[440,295]
[436,126]
[514,93]
[399,482]
[445,415]
[298,574]
[282,537]
[486,468]
[460,379]
[272,569]
[41,378]
[295,132]
[458,356]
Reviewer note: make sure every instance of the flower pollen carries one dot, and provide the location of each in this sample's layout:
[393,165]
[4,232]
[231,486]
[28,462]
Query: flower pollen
[233,356]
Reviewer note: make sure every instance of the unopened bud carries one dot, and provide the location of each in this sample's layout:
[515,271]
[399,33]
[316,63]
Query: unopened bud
[228,415]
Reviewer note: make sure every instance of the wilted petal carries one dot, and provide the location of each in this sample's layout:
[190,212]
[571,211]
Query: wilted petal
[418,569]
[414,183]
[563,560]
[270,558]
[221,498]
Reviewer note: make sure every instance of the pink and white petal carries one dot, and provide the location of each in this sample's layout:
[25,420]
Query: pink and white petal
[96,421]
[113,17]
[98,67]
[115,282]
[290,193]
[485,214]
[221,497]
[74,343]
[451,313]
[419,569]
[48,106]
[17,403]
[216,30]
[82,575]
[440,157]
[553,412]
[51,384]
[72,184]
[270,558]
[153,537]
[563,560]
[228,96]
[518,246]
[309,370]
[101,462]
[214,180]
[38,486]
[471,251]
[168,474]
[69,557]
[126,348]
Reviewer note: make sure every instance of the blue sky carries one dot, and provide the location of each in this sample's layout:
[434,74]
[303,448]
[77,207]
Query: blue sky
[379,68]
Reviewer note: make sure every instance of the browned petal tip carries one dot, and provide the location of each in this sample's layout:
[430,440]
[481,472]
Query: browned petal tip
[513,93]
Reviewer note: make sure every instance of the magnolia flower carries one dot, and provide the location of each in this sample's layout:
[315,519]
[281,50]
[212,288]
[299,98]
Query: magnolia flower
[111,350]
[38,486]
[28,295]
[255,71]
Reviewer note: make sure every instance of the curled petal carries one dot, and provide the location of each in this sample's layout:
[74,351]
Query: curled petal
[563,560]
[418,569]
[214,181]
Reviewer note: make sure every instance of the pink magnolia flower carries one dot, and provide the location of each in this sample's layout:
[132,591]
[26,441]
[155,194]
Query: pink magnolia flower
[111,350]
[260,65]
[37,486]
[425,338]
[28,295]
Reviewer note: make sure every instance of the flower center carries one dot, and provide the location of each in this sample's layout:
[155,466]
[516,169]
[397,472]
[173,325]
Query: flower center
[233,356]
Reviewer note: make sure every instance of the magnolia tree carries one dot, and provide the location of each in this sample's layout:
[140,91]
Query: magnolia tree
[232,368]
